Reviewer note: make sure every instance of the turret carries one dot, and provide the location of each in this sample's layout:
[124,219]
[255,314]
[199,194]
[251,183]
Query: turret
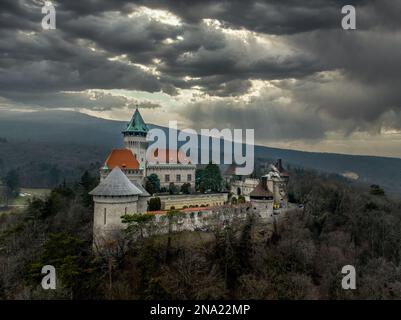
[114,197]
[135,137]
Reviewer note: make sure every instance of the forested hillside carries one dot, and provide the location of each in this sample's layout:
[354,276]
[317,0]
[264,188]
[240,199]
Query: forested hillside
[300,258]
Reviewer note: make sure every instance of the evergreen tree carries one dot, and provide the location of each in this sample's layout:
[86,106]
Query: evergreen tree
[137,224]
[212,179]
[152,184]
[154,204]
[87,183]
[186,188]
[74,270]
[199,177]
[172,188]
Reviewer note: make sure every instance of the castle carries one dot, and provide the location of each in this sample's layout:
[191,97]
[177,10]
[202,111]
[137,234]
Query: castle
[123,175]
[132,160]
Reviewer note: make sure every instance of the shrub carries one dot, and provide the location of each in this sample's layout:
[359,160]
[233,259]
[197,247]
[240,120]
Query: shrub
[154,204]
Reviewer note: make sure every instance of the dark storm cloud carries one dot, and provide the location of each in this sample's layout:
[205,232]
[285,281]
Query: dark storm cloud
[50,61]
[370,66]
[367,56]
[347,80]
[226,88]
[17,14]
[91,99]
[273,121]
[140,38]
[284,16]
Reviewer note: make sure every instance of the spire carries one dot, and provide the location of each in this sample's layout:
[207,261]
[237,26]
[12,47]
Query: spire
[136,125]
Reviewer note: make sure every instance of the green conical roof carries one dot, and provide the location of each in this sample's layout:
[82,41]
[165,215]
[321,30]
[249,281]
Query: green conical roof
[136,124]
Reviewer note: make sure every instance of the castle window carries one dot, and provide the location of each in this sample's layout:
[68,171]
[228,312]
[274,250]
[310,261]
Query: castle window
[125,210]
[167,178]
[104,216]
[178,178]
[189,177]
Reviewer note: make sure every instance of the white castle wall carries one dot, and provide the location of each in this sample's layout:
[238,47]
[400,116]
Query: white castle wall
[143,204]
[161,170]
[245,187]
[197,220]
[263,207]
[108,212]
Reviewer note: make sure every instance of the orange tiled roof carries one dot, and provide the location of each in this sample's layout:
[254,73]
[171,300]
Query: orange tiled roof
[167,156]
[123,158]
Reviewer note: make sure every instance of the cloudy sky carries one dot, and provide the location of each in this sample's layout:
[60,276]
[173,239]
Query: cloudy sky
[285,68]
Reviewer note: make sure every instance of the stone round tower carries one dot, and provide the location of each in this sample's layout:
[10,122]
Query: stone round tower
[114,197]
[135,137]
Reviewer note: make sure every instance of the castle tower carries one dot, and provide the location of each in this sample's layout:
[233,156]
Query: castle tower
[135,137]
[262,198]
[114,197]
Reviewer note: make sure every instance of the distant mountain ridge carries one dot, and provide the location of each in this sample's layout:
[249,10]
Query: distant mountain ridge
[67,128]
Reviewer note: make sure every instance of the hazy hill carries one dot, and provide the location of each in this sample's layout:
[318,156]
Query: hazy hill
[63,127]
[63,143]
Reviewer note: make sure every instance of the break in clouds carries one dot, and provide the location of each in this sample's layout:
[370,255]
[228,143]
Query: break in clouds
[285,68]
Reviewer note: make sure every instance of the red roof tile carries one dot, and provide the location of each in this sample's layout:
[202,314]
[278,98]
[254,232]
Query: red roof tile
[123,158]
